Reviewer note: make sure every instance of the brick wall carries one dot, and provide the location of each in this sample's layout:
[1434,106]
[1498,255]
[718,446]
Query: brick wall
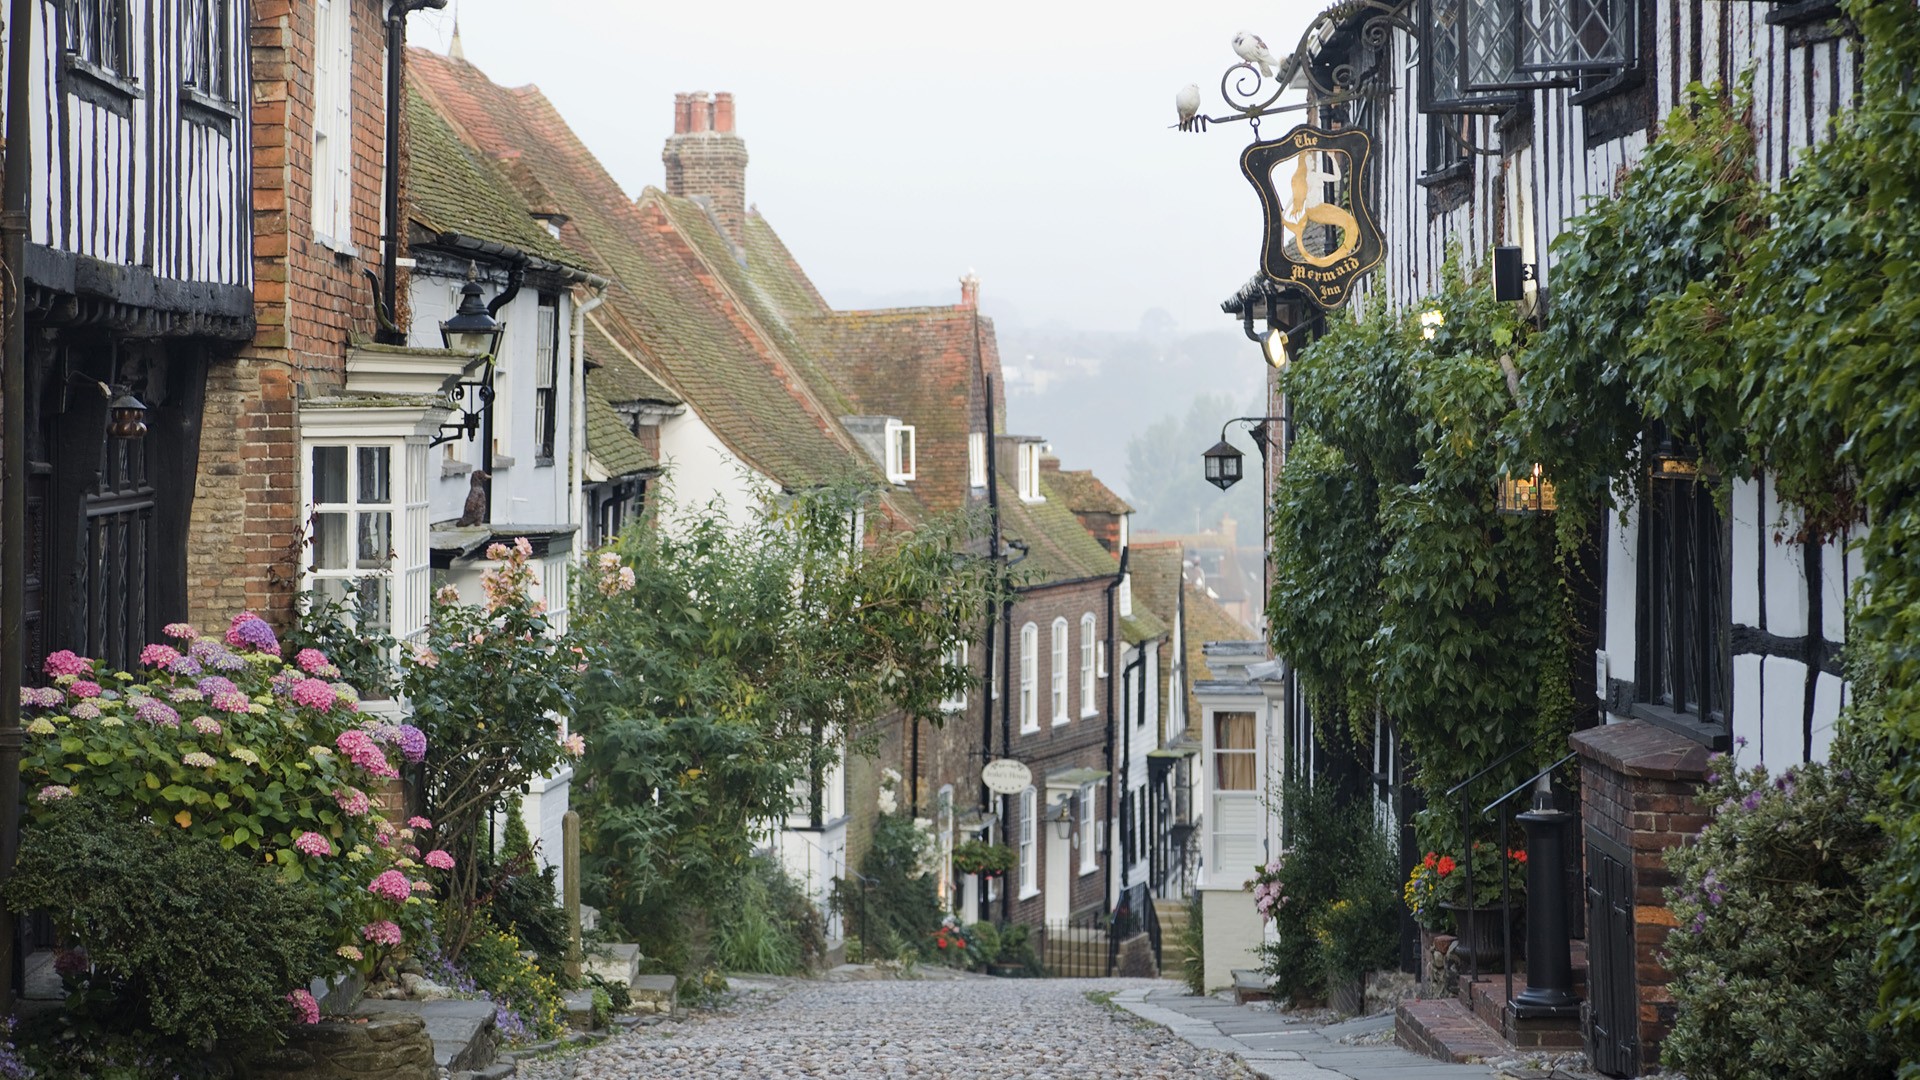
[309,302]
[706,158]
[1640,789]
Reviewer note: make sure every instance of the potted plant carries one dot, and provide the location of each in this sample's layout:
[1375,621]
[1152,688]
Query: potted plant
[980,857]
[1439,884]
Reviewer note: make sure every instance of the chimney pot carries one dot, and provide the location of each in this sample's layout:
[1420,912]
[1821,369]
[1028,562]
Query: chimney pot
[702,113]
[970,290]
[723,112]
[682,113]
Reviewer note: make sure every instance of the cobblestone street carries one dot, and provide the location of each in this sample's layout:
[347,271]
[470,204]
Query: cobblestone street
[980,1029]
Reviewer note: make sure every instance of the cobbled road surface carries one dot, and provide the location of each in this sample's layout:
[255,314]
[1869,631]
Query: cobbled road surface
[976,1028]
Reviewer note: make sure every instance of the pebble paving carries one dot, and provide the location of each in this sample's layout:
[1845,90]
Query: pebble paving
[978,1028]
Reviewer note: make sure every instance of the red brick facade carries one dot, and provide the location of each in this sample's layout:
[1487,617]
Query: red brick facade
[309,302]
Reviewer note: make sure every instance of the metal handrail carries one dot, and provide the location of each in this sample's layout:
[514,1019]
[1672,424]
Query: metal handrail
[1502,760]
[1524,785]
[1506,868]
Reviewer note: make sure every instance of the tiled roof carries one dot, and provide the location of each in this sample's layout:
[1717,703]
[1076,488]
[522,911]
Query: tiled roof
[1059,549]
[665,308]
[617,377]
[1206,621]
[1084,493]
[450,189]
[610,441]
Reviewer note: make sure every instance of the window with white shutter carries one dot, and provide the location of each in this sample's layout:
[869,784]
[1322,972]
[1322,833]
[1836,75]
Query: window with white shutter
[333,123]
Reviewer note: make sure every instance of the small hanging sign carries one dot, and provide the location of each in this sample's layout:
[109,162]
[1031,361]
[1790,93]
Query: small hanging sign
[1320,234]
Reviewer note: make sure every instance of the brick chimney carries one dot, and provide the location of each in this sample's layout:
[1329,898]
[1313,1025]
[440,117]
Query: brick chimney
[970,290]
[707,160]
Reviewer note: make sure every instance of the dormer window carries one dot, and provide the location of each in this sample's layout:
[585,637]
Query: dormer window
[977,459]
[1030,473]
[900,452]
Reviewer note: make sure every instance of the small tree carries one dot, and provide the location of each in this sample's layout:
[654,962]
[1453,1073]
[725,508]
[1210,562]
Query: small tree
[490,688]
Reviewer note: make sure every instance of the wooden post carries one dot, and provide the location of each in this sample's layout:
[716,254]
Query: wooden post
[570,869]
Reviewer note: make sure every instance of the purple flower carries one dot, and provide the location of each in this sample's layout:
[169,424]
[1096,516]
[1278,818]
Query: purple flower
[1752,801]
[283,683]
[158,713]
[251,630]
[413,743]
[184,665]
[206,725]
[216,684]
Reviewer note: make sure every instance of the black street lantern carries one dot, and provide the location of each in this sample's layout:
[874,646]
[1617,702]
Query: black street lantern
[129,415]
[472,329]
[1223,464]
[1528,494]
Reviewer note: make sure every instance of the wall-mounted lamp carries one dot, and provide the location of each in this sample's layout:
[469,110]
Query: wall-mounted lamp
[1275,346]
[1061,815]
[1528,494]
[129,417]
[1224,463]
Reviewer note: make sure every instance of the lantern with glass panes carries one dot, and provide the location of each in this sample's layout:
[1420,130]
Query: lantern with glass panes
[1224,462]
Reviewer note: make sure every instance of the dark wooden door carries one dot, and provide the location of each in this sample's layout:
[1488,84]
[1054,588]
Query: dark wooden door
[1612,1019]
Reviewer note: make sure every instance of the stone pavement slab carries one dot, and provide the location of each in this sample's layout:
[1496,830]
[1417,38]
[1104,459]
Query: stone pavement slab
[1278,1048]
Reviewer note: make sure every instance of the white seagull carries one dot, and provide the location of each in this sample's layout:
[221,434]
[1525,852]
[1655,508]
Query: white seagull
[1254,51]
[1187,104]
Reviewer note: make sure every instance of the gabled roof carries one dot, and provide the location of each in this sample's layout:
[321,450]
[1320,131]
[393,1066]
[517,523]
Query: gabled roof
[1058,548]
[1084,493]
[667,309]
[616,376]
[452,190]
[612,443]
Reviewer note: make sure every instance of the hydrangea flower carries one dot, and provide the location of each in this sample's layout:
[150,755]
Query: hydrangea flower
[180,630]
[40,725]
[413,743]
[215,684]
[84,688]
[66,662]
[345,694]
[206,725]
[307,1009]
[318,752]
[53,793]
[158,656]
[311,660]
[198,760]
[225,660]
[158,713]
[381,933]
[350,952]
[241,753]
[41,697]
[282,683]
[312,843]
[423,886]
[314,694]
[185,665]
[360,747]
[418,822]
[439,860]
[353,801]
[392,886]
[86,710]
[232,701]
[251,630]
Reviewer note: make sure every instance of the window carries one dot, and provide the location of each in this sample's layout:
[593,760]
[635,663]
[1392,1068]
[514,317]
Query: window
[1089,855]
[1030,472]
[546,357]
[1088,649]
[1029,829]
[1141,834]
[900,452]
[1029,677]
[368,546]
[1448,136]
[1685,615]
[1476,48]
[333,124]
[1059,671]
[1234,764]
[957,657]
[977,459]
[207,47]
[99,32]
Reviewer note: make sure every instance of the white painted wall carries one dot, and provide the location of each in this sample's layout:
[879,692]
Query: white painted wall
[1231,930]
[702,471]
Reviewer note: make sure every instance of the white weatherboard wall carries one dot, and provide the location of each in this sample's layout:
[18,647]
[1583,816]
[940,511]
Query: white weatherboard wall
[1233,930]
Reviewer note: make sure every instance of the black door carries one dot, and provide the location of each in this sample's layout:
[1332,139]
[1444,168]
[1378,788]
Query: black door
[1612,1018]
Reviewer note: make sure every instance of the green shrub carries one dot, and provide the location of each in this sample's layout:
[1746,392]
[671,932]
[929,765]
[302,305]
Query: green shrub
[1772,958]
[184,939]
[517,893]
[1193,949]
[1336,855]
[894,906]
[1016,947]
[986,941]
[529,1003]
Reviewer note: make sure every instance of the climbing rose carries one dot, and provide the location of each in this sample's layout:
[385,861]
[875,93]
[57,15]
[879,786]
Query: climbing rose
[158,656]
[382,932]
[307,1009]
[250,629]
[574,744]
[439,860]
[391,886]
[65,662]
[312,843]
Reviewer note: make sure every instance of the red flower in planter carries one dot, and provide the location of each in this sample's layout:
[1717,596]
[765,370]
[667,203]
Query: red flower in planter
[1444,865]
[1430,860]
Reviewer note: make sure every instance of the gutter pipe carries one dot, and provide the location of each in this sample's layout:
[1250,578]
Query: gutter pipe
[578,374]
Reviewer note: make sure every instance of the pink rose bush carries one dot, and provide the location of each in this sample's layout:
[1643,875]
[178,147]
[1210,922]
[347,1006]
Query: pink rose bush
[225,738]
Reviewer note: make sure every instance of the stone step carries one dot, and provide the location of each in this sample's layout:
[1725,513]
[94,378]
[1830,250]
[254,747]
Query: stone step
[1249,986]
[1443,1029]
[617,963]
[463,1033]
[579,1007]
[654,993]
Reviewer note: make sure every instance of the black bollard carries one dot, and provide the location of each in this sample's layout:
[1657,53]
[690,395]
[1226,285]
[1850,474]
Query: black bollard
[1549,989]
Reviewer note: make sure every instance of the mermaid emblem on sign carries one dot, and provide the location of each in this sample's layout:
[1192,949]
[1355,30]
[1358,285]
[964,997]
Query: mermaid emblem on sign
[1320,237]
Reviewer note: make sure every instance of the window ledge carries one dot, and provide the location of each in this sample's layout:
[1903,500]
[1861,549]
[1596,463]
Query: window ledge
[1711,734]
[1025,730]
[450,468]
[1027,894]
[1061,721]
[91,82]
[340,249]
[1085,713]
[1085,869]
[544,461]
[208,109]
[1456,171]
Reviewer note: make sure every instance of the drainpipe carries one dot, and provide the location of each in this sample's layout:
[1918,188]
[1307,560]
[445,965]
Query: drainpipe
[1138,663]
[579,375]
[1113,654]
[396,104]
[13,449]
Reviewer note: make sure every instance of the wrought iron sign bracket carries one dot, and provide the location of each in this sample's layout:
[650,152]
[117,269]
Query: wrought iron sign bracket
[471,398]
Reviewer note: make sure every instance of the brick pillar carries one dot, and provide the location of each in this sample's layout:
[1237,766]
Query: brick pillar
[706,159]
[1640,789]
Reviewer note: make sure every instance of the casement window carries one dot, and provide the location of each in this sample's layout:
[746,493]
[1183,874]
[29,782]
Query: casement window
[1088,648]
[956,657]
[100,33]
[207,47]
[367,545]
[1059,671]
[900,452]
[1235,767]
[546,360]
[1479,52]
[1448,137]
[1029,476]
[333,124]
[977,460]
[1685,613]
[1029,678]
[1029,849]
[1089,853]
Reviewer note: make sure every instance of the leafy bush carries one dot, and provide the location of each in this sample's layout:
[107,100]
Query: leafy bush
[980,857]
[183,938]
[896,907]
[1337,857]
[1193,949]
[518,894]
[266,759]
[1774,938]
[986,942]
[1016,947]
[528,1004]
[335,628]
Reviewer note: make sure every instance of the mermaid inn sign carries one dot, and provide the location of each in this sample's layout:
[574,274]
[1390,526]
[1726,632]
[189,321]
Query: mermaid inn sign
[1320,236]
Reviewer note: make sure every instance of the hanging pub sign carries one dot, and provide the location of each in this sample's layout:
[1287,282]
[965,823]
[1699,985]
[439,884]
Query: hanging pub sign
[1320,235]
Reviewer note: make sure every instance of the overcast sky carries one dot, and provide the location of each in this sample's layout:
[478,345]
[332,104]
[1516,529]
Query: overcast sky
[896,145]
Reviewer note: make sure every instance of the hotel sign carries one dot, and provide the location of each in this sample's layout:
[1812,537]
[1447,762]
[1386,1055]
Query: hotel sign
[1320,234]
